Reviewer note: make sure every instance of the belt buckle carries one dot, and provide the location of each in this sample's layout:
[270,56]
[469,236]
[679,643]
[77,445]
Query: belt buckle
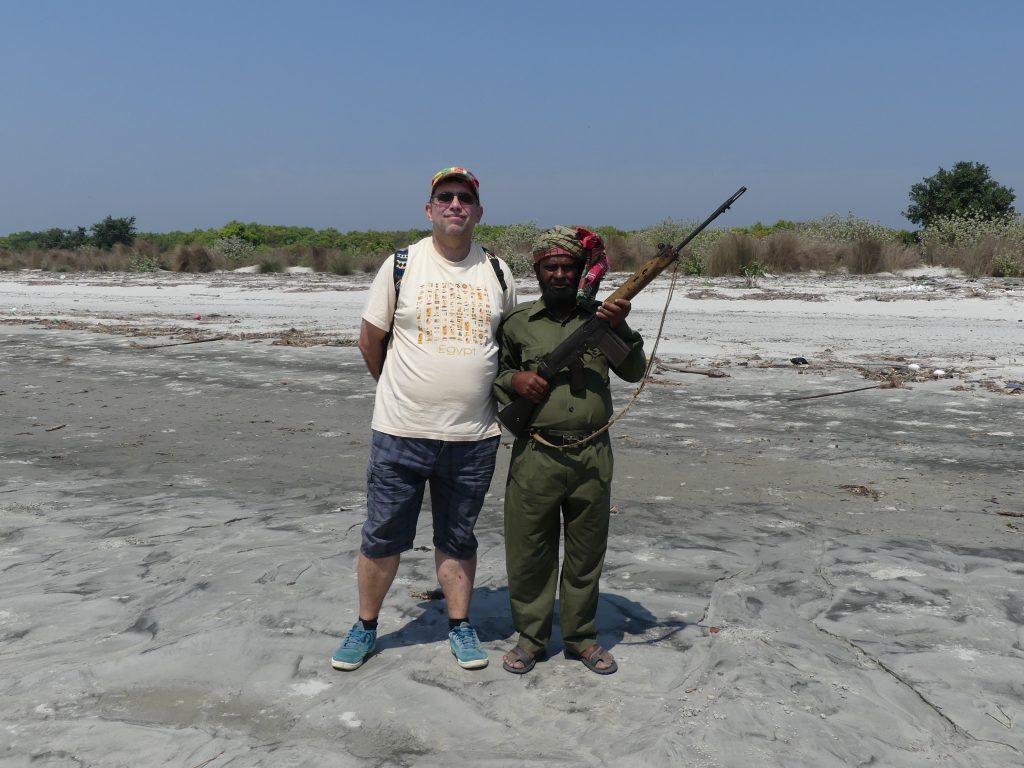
[563,440]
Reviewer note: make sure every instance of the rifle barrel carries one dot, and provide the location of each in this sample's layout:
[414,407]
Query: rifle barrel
[663,260]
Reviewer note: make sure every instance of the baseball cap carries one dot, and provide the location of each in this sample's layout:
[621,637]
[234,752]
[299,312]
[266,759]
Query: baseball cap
[456,172]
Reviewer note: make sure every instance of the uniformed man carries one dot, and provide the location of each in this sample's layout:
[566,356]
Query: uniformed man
[560,473]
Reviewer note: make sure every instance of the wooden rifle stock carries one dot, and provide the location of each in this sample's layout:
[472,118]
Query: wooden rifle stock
[517,416]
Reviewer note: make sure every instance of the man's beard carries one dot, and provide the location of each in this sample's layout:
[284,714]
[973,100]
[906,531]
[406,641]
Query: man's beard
[561,297]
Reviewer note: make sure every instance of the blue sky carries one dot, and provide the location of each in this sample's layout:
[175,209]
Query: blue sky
[335,114]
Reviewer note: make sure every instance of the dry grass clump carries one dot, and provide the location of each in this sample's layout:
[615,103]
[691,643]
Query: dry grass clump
[990,255]
[976,244]
[627,254]
[80,260]
[337,262]
[341,264]
[787,252]
[867,256]
[283,257]
[317,258]
[896,256]
[55,260]
[862,257]
[733,255]
[822,256]
[784,252]
[369,262]
[140,249]
[270,264]
[196,258]
[140,257]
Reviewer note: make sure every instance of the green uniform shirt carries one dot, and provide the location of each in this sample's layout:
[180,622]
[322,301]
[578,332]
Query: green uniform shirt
[528,333]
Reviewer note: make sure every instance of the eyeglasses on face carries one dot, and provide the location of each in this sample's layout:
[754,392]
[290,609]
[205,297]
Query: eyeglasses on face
[445,198]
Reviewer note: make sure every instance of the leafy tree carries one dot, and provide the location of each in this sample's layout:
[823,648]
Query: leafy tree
[110,231]
[63,239]
[966,187]
[19,241]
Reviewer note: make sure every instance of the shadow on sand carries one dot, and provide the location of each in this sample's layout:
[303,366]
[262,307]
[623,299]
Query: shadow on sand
[619,620]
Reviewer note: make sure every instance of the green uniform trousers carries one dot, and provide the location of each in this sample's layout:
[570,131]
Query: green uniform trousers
[549,489]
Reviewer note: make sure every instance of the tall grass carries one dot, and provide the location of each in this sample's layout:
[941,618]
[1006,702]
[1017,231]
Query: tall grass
[785,251]
[829,244]
[270,265]
[196,258]
[976,245]
[734,255]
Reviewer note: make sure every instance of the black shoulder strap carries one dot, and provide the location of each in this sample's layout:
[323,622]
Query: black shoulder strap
[398,272]
[496,266]
[401,259]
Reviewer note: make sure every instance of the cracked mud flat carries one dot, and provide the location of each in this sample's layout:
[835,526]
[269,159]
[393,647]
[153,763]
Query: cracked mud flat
[179,525]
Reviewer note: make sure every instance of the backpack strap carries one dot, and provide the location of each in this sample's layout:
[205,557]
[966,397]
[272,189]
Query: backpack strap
[496,266]
[401,259]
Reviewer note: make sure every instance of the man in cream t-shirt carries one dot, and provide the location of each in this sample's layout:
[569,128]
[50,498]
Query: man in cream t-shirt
[434,418]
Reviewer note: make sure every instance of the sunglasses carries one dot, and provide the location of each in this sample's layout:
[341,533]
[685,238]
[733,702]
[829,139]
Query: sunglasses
[445,198]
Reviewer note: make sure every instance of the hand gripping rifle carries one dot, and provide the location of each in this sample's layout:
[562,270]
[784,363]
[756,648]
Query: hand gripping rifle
[517,416]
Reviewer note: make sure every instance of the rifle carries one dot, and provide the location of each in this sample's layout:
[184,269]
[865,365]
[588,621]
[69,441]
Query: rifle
[517,416]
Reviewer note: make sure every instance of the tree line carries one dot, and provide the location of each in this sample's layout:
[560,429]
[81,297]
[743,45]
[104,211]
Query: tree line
[966,189]
[103,234]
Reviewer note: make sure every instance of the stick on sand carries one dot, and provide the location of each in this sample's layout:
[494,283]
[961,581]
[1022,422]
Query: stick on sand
[176,343]
[844,392]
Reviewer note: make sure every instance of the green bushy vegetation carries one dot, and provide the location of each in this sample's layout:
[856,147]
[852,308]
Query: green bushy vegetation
[103,235]
[832,243]
[976,243]
[968,223]
[513,242]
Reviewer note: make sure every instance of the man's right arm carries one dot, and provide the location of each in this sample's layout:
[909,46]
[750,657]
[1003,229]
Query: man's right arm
[377,318]
[513,379]
[373,346]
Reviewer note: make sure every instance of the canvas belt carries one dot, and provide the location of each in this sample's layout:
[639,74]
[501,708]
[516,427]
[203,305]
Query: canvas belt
[559,439]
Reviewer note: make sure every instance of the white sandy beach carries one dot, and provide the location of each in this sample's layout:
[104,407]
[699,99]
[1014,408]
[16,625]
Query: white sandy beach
[795,583]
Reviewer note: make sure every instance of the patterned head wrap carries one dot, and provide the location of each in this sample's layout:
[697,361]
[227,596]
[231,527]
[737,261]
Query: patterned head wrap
[579,244]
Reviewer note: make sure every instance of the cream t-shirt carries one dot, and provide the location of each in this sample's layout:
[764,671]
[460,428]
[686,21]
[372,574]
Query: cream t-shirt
[442,357]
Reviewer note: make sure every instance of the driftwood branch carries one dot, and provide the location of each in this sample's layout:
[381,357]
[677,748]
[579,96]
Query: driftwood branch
[176,343]
[714,373]
[885,385]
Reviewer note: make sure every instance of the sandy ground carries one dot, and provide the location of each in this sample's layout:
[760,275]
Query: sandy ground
[818,582]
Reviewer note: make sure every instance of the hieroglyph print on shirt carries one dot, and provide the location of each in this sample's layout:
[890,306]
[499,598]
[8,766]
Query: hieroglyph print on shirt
[457,316]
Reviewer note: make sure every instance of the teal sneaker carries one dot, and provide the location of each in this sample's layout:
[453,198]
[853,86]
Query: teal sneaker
[359,643]
[466,647]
